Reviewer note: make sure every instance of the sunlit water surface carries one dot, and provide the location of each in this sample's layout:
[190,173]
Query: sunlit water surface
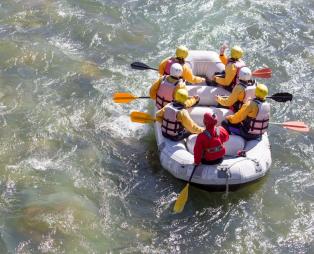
[76,176]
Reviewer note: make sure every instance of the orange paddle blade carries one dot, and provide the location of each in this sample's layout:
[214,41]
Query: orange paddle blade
[123,97]
[297,126]
[141,117]
[262,73]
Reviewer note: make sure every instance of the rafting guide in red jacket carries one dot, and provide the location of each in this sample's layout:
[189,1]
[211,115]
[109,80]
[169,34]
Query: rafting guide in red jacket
[209,148]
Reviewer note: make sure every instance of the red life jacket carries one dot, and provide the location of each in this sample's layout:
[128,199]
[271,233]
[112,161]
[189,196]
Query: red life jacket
[165,92]
[258,125]
[214,148]
[170,62]
[168,65]
[170,125]
[238,64]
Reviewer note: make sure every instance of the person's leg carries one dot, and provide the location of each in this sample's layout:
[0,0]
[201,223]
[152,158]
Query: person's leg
[228,88]
[243,133]
[210,82]
[213,162]
[173,138]
[179,137]
[220,74]
[225,124]
[185,134]
[231,128]
[220,106]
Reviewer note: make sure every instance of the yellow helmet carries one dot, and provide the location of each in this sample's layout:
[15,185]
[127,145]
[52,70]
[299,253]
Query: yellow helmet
[181,95]
[236,52]
[261,91]
[182,52]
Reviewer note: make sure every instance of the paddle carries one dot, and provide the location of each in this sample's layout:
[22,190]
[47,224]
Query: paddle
[261,73]
[279,97]
[141,117]
[126,97]
[294,125]
[183,196]
[141,66]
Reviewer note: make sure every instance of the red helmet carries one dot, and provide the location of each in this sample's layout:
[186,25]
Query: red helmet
[210,120]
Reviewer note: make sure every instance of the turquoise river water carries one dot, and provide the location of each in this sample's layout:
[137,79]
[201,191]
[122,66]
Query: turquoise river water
[76,176]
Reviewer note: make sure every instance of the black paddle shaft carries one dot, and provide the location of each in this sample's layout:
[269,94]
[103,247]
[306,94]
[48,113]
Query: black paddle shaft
[194,169]
[279,97]
[141,66]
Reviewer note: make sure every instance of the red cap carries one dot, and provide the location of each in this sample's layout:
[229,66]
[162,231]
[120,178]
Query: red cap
[209,121]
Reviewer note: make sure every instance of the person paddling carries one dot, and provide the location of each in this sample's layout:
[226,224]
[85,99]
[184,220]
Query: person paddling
[233,66]
[181,54]
[176,123]
[163,90]
[241,93]
[209,148]
[251,121]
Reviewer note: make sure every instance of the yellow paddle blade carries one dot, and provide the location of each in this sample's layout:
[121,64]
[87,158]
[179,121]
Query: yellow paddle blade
[123,97]
[141,117]
[181,200]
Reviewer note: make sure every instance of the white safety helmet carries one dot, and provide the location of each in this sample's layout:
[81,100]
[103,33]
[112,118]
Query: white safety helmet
[245,74]
[176,70]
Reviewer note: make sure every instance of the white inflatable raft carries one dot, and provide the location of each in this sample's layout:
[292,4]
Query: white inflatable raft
[234,171]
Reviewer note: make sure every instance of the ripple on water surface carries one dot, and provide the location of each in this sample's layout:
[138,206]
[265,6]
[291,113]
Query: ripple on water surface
[78,177]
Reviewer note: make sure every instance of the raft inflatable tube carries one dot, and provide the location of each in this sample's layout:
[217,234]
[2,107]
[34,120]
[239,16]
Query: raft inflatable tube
[178,159]
[204,63]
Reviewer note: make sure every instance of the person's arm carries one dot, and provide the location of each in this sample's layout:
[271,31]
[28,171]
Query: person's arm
[188,123]
[191,101]
[188,75]
[162,66]
[222,55]
[231,71]
[223,58]
[236,95]
[154,89]
[160,114]
[198,150]
[242,114]
[223,134]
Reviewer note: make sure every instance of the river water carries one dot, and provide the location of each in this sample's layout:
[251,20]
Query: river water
[76,176]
